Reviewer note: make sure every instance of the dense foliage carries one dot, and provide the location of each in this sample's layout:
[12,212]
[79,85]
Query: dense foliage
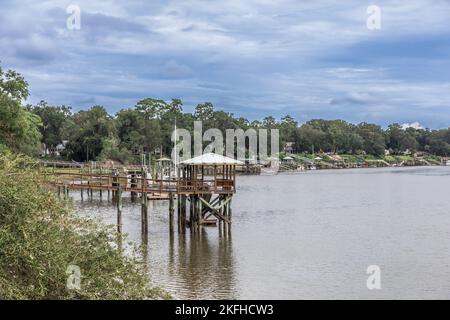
[40,238]
[19,129]
[94,134]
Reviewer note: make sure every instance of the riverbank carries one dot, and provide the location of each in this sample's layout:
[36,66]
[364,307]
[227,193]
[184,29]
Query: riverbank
[300,162]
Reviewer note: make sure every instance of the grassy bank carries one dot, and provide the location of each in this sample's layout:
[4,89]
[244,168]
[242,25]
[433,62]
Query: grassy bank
[40,239]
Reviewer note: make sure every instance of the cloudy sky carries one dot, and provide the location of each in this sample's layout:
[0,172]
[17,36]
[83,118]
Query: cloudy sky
[253,58]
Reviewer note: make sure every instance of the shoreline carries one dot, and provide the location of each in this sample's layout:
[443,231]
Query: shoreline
[345,168]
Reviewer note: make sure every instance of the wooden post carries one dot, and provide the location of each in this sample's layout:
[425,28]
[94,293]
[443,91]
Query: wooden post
[191,211]
[183,211]
[109,184]
[229,210]
[133,186]
[144,208]
[179,211]
[144,215]
[193,215]
[101,183]
[171,210]
[119,210]
[81,177]
[89,185]
[66,192]
[114,185]
[199,213]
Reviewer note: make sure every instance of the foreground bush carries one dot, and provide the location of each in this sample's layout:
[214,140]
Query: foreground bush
[40,239]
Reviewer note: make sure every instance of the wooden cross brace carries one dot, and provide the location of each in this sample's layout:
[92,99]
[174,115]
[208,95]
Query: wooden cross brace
[221,202]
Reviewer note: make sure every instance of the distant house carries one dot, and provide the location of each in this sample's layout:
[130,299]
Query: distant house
[407,152]
[289,147]
[61,147]
[53,151]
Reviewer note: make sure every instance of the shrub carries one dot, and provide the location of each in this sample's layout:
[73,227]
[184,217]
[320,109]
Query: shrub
[40,238]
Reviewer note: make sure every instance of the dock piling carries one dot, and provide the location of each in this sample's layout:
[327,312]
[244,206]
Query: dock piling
[119,209]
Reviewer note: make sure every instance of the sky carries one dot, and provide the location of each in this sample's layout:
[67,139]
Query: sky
[308,59]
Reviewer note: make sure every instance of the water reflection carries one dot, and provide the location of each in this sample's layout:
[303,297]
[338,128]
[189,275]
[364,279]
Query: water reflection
[201,264]
[192,265]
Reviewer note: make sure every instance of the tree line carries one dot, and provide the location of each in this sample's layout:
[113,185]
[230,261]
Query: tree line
[94,134]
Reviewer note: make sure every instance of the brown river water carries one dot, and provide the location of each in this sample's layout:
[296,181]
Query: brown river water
[308,235]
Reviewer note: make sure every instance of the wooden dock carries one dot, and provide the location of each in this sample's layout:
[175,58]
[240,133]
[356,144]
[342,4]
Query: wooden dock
[203,189]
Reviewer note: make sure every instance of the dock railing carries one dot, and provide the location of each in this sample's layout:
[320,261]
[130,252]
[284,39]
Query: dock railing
[138,184]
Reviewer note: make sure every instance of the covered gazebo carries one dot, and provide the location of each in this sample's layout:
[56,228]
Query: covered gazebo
[208,173]
[208,182]
[165,168]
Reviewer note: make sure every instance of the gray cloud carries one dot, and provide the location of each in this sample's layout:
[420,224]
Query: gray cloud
[255,57]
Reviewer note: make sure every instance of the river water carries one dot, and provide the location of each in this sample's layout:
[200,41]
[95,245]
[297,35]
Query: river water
[309,235]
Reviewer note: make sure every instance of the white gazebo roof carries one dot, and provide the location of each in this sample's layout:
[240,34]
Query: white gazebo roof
[212,159]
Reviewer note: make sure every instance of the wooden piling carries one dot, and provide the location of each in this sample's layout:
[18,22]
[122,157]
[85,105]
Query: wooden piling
[66,192]
[101,183]
[171,209]
[144,208]
[199,213]
[119,209]
[182,212]
[229,210]
[193,218]
[144,215]
[191,210]
[179,211]
[184,207]
[109,185]
[133,185]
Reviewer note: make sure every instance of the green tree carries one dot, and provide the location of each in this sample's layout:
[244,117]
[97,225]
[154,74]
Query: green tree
[54,122]
[439,142]
[19,128]
[310,137]
[288,130]
[204,111]
[91,129]
[269,122]
[373,138]
[399,139]
[152,108]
